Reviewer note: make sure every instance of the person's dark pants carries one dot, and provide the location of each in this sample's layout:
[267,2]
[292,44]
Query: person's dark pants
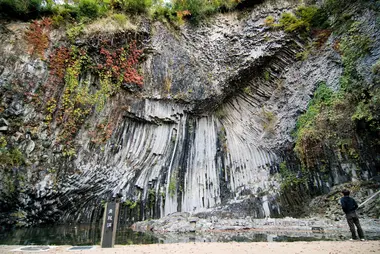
[353,220]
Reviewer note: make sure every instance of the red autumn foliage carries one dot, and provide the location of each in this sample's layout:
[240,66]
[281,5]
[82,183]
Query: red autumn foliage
[122,63]
[101,133]
[59,61]
[184,13]
[37,36]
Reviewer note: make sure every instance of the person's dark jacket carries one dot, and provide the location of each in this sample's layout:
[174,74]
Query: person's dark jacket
[349,204]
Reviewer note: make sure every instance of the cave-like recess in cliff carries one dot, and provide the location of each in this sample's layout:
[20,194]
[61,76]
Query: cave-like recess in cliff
[193,119]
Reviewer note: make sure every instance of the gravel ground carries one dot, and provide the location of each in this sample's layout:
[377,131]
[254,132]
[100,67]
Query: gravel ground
[330,247]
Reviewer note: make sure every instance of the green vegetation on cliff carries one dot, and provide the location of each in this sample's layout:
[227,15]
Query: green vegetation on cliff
[345,121]
[9,157]
[339,122]
[331,122]
[81,10]
[22,9]
[68,65]
[81,77]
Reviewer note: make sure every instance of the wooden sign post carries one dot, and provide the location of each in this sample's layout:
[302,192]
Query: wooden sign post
[110,218]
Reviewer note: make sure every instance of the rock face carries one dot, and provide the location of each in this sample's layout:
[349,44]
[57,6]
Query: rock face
[208,128]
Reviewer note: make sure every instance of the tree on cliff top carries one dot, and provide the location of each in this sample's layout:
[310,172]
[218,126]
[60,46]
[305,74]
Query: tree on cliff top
[20,9]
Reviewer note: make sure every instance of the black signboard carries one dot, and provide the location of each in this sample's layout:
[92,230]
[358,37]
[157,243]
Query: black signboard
[109,225]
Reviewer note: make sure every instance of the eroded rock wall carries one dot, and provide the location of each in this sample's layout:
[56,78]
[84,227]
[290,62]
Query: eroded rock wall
[207,129]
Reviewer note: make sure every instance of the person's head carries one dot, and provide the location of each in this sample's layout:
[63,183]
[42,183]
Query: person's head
[346,193]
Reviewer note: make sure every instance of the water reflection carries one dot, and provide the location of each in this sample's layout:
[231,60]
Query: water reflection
[52,235]
[255,236]
[70,235]
[127,236]
[90,235]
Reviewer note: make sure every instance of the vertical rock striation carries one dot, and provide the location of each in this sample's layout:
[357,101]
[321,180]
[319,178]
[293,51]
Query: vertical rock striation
[204,134]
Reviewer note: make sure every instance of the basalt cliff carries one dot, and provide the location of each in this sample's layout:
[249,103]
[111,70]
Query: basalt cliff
[192,118]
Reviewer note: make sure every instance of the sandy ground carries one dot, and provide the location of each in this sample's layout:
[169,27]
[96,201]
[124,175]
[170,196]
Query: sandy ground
[344,247]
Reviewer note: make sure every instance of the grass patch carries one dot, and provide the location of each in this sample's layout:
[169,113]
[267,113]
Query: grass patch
[110,25]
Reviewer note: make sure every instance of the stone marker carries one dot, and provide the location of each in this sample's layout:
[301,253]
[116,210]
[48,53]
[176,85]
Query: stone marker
[111,214]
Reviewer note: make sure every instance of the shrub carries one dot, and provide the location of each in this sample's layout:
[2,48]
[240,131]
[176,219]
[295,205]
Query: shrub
[193,10]
[20,9]
[199,9]
[226,4]
[196,8]
[307,13]
[164,12]
[66,11]
[289,22]
[88,8]
[320,19]
[304,19]
[136,6]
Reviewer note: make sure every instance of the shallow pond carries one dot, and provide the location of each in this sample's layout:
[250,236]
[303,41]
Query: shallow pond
[69,235]
[90,235]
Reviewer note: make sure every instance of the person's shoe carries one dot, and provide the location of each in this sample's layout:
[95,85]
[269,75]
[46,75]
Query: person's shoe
[351,239]
[362,239]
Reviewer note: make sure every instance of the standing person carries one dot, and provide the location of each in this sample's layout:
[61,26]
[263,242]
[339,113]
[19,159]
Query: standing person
[349,207]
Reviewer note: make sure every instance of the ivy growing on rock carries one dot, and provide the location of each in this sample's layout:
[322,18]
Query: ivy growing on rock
[69,96]
[120,65]
[37,37]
